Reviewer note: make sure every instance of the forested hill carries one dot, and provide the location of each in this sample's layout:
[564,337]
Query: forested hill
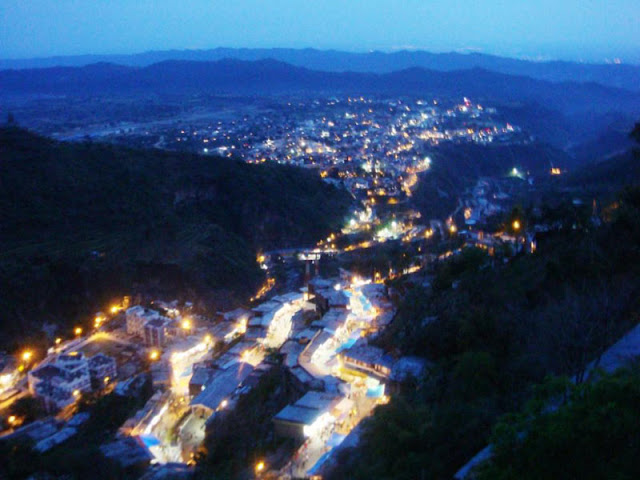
[85,222]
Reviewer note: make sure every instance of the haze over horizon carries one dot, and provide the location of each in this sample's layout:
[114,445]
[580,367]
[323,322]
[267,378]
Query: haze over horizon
[592,31]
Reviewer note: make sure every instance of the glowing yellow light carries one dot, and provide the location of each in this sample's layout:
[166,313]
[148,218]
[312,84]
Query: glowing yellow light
[259,466]
[12,419]
[453,228]
[224,403]
[516,225]
[26,356]
[58,340]
[115,309]
[186,324]
[78,331]
[207,339]
[76,393]
[154,355]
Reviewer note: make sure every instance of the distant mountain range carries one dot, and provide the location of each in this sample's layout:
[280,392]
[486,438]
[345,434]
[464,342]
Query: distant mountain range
[614,75]
[267,77]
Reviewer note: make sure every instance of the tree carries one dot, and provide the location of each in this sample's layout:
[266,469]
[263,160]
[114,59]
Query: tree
[582,324]
[635,133]
[595,435]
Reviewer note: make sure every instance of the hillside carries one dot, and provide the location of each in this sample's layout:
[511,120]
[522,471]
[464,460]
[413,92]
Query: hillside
[493,331]
[621,76]
[84,223]
[456,168]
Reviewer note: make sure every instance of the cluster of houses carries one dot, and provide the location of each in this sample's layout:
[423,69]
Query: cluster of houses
[62,380]
[320,333]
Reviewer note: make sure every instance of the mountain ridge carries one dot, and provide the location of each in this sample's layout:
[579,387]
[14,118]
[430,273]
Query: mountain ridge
[617,75]
[270,76]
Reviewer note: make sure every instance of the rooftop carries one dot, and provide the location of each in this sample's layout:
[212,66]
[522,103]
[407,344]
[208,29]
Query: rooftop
[222,385]
[367,354]
[127,452]
[299,415]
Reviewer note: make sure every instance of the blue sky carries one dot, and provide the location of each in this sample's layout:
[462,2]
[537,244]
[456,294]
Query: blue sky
[571,29]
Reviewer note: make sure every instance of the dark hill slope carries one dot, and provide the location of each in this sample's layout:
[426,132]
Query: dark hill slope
[82,223]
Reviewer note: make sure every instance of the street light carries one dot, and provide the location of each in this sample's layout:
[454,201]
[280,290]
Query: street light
[516,225]
[154,355]
[78,331]
[186,324]
[259,467]
[26,355]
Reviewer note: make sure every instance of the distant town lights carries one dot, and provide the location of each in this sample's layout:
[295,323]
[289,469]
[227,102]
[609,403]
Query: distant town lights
[78,331]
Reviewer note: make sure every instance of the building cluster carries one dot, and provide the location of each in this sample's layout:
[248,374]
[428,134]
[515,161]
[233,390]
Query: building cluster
[64,378]
[153,327]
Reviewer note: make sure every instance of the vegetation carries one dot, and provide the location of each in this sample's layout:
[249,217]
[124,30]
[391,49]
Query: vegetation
[85,223]
[240,438]
[455,168]
[79,457]
[593,434]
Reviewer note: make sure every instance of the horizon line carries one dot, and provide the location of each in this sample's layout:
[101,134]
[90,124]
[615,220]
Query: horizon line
[466,51]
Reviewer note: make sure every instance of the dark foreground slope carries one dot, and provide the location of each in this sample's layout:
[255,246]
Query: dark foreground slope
[83,223]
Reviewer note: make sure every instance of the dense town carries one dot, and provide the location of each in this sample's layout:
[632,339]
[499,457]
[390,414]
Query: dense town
[199,365]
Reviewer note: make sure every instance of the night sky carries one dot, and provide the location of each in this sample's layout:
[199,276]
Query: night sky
[591,30]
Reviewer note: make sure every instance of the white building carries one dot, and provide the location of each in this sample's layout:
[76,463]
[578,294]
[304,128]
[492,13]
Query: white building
[61,381]
[102,368]
[137,317]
